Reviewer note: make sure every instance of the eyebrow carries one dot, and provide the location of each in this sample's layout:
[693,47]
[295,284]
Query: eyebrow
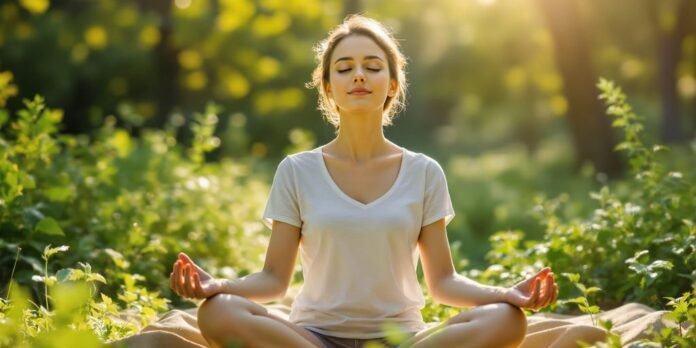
[350,58]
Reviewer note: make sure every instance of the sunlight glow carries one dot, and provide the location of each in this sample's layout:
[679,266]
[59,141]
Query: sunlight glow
[182,4]
[687,87]
[486,2]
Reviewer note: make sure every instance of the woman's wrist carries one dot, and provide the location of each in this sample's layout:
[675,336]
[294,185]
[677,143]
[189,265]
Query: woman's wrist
[223,286]
[504,294]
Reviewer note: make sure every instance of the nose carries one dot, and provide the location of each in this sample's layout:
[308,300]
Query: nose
[359,76]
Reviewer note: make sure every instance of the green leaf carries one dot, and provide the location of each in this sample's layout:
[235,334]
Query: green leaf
[48,251]
[606,324]
[573,277]
[592,290]
[58,193]
[3,117]
[619,122]
[97,277]
[579,300]
[394,334]
[63,274]
[581,287]
[50,227]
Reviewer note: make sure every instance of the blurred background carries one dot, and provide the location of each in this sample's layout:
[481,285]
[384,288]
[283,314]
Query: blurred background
[502,92]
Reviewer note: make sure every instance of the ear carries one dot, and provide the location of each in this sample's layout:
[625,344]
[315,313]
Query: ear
[393,88]
[327,89]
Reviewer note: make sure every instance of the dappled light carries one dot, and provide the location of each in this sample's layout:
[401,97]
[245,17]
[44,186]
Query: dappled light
[135,130]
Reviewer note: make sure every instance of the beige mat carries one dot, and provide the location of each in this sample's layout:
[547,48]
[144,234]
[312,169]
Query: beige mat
[178,328]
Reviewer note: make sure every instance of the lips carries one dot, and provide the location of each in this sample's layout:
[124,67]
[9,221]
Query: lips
[359,91]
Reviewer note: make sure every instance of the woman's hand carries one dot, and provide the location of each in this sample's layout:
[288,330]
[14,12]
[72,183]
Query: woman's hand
[536,292]
[189,280]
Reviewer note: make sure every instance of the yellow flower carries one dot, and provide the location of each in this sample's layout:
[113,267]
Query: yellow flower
[96,37]
[36,7]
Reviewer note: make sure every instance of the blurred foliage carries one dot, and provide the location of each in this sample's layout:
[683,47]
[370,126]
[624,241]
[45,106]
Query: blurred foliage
[474,87]
[485,101]
[146,60]
[120,175]
[122,203]
[639,243]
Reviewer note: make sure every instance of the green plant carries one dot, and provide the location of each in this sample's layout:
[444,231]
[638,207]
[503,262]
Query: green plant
[75,312]
[582,301]
[117,200]
[639,243]
[683,312]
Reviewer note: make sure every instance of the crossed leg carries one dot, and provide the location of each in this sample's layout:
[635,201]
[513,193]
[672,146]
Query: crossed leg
[226,318]
[493,325]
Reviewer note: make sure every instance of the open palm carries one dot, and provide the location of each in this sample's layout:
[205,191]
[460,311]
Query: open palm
[189,280]
[535,292]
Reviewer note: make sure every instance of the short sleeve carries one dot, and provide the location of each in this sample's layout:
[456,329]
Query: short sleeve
[282,203]
[437,203]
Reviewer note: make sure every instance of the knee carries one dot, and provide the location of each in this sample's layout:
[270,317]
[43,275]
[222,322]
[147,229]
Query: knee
[221,315]
[513,320]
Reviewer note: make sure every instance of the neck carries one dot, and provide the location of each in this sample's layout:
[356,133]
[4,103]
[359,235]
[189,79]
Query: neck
[360,137]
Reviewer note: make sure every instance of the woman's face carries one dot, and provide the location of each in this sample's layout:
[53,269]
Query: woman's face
[359,75]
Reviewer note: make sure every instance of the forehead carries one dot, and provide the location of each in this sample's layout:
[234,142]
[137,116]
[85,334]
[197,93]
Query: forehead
[356,47]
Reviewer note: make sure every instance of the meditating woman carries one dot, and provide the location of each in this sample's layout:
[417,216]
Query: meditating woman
[360,209]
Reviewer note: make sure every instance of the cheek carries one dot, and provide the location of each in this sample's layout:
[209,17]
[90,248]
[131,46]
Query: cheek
[382,78]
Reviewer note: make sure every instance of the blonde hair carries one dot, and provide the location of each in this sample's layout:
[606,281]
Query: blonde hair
[363,26]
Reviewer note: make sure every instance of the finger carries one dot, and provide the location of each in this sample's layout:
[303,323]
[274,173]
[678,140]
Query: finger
[543,272]
[171,281]
[197,290]
[554,292]
[536,297]
[188,281]
[548,292]
[177,278]
[185,259]
[540,298]
[191,281]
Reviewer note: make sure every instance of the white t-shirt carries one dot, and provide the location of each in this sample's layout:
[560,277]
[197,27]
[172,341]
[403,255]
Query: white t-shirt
[358,260]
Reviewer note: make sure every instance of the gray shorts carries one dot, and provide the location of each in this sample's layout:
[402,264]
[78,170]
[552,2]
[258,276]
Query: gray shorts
[340,342]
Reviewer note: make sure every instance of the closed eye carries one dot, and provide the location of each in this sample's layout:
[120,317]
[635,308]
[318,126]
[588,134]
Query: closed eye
[349,69]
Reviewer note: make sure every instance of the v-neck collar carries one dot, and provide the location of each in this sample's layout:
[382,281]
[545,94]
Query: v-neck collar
[334,186]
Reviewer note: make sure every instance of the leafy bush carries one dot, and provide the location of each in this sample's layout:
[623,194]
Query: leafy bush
[491,192]
[124,205]
[638,245]
[72,312]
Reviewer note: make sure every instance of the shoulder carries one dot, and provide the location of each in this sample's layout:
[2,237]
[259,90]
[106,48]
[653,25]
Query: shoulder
[299,161]
[424,161]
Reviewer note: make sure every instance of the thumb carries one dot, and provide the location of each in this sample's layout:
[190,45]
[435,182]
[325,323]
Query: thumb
[517,298]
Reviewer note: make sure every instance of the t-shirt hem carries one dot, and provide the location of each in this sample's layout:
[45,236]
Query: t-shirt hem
[448,217]
[267,220]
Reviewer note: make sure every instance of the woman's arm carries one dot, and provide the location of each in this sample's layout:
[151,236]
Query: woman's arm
[273,281]
[189,280]
[449,288]
[444,284]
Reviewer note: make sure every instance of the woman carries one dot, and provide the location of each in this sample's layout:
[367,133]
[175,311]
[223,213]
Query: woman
[357,208]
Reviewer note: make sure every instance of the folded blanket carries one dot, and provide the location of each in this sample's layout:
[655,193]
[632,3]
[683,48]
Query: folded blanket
[178,328]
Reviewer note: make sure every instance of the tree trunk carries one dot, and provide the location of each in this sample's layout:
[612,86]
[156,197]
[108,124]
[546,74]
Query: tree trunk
[590,127]
[669,54]
[165,60]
